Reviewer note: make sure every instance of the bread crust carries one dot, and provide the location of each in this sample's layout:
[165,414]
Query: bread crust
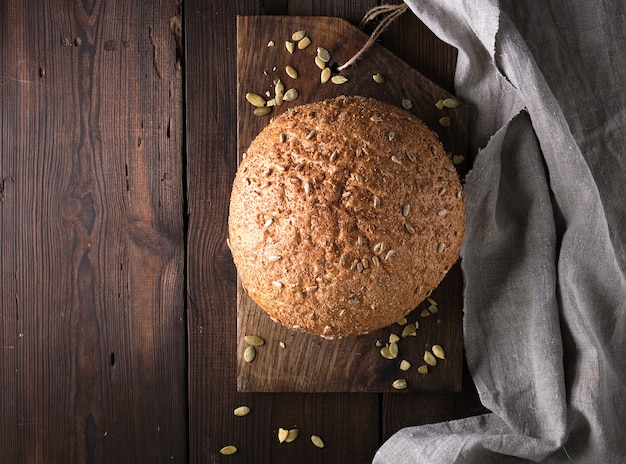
[344,215]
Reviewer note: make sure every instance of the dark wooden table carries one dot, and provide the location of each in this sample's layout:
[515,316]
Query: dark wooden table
[117,289]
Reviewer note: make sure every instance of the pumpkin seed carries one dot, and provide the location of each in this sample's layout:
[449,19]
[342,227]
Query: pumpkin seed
[445,121]
[325,75]
[439,104]
[405,365]
[393,338]
[317,441]
[291,72]
[303,43]
[399,384]
[438,351]
[271,43]
[282,434]
[407,104]
[323,54]
[409,331]
[402,321]
[290,95]
[249,354]
[262,111]
[393,350]
[253,340]
[458,159]
[429,358]
[255,99]
[290,46]
[378,78]
[282,344]
[451,103]
[242,411]
[298,35]
[425,312]
[292,435]
[339,79]
[228,450]
[423,369]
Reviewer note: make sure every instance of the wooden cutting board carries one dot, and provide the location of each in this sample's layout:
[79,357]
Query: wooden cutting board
[296,362]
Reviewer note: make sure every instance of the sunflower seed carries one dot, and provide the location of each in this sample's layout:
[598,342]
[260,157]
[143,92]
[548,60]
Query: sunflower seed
[451,103]
[438,351]
[253,340]
[310,289]
[429,358]
[389,254]
[423,369]
[228,450]
[323,54]
[311,134]
[442,190]
[411,157]
[291,72]
[399,384]
[298,35]
[255,99]
[249,354]
[290,95]
[391,135]
[405,365]
[317,441]
[441,247]
[241,411]
[290,46]
[303,43]
[378,78]
[354,301]
[406,210]
[339,79]
[445,121]
[333,157]
[407,104]
[376,118]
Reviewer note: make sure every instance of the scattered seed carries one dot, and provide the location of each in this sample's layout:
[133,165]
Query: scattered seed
[429,358]
[298,35]
[376,118]
[396,160]
[271,43]
[423,369]
[242,411]
[441,247]
[445,121]
[228,450]
[282,344]
[438,351]
[354,301]
[317,441]
[274,258]
[277,284]
[291,72]
[442,212]
[406,210]
[399,384]
[290,46]
[305,42]
[405,365]
[292,435]
[339,79]
[376,261]
[249,354]
[328,329]
[451,103]
[264,111]
[333,157]
[442,190]
[311,134]
[323,54]
[411,157]
[390,254]
[378,78]
[282,434]
[391,135]
[290,95]
[409,331]
[253,340]
[407,104]
[376,202]
[255,99]
[325,75]
[310,289]
[458,159]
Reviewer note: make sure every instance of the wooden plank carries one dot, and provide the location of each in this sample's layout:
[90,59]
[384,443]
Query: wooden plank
[211,118]
[92,250]
[310,363]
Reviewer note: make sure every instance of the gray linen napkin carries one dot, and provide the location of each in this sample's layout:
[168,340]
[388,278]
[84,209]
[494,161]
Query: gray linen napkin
[545,250]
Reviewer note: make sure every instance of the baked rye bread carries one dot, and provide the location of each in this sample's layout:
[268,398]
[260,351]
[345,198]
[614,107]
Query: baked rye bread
[344,215]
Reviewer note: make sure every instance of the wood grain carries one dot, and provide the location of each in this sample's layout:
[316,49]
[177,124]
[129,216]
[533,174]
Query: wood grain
[92,247]
[309,363]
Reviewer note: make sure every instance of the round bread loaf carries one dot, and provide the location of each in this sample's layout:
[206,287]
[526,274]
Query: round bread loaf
[344,215]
